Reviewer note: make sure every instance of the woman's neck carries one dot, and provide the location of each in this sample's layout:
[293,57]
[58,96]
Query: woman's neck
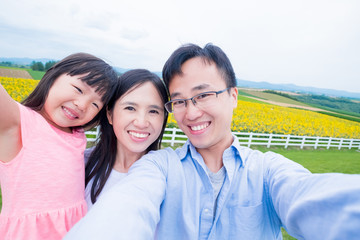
[124,160]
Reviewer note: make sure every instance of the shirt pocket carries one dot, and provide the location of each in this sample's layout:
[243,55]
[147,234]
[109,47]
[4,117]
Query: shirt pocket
[247,222]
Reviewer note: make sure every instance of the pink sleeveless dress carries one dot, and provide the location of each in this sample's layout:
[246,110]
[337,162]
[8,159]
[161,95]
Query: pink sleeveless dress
[43,186]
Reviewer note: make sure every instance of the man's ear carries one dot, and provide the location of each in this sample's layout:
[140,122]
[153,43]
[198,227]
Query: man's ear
[109,115]
[234,95]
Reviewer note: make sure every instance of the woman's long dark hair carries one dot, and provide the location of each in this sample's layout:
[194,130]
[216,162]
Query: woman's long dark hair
[99,74]
[102,159]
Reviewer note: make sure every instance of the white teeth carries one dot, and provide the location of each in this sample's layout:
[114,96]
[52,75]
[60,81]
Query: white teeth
[139,135]
[67,111]
[199,127]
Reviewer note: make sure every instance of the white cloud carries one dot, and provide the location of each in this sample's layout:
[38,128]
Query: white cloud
[308,43]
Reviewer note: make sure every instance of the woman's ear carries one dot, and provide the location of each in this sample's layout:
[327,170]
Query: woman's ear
[109,115]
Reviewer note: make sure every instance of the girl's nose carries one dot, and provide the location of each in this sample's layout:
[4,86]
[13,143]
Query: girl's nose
[81,103]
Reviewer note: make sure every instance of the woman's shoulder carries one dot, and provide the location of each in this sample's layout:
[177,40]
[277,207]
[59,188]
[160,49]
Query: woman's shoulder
[162,158]
[162,153]
[87,153]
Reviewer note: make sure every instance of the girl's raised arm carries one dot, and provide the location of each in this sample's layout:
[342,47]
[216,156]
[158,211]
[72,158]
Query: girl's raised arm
[10,140]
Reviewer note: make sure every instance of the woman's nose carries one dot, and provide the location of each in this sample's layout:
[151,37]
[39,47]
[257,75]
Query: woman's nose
[141,121]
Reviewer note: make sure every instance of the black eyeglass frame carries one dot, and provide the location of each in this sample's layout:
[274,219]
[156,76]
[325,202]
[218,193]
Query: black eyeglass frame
[169,103]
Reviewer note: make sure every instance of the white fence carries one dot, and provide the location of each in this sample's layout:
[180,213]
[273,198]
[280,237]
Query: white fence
[175,135]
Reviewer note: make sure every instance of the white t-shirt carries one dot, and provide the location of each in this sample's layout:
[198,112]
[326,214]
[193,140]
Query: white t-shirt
[114,178]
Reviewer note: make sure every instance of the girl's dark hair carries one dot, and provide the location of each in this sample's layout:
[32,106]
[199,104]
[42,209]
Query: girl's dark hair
[210,53]
[99,74]
[102,159]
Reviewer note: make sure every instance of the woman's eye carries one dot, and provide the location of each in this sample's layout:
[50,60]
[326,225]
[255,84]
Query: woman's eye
[154,111]
[130,108]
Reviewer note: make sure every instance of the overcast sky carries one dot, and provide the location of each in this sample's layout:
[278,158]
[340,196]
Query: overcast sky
[308,42]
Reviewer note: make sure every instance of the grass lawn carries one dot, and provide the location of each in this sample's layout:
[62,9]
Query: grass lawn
[274,97]
[318,161]
[16,68]
[37,75]
[321,161]
[247,99]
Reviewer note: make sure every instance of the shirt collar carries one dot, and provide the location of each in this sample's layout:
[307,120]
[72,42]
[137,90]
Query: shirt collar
[230,153]
[182,151]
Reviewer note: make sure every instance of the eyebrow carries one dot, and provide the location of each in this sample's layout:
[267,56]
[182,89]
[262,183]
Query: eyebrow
[156,107]
[196,88]
[128,103]
[135,104]
[86,88]
[82,82]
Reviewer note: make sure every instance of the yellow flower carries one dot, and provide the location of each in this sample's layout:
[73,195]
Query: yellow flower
[18,88]
[248,116]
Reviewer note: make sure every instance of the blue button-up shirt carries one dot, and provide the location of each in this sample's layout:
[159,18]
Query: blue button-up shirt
[168,194]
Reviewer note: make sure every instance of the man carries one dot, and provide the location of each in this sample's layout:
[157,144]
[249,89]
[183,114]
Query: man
[212,188]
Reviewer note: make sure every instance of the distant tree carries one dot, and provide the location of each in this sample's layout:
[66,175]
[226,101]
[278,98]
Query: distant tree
[49,65]
[33,65]
[37,66]
[40,66]
[8,64]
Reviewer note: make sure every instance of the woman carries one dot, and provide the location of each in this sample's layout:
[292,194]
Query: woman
[134,124]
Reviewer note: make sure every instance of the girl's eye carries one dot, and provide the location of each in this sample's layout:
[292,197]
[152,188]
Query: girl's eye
[78,89]
[95,104]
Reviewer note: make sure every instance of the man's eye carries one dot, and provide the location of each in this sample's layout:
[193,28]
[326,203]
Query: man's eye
[203,95]
[178,102]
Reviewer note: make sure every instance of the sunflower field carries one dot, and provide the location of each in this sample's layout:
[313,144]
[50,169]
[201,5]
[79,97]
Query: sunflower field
[248,116]
[18,88]
[266,118]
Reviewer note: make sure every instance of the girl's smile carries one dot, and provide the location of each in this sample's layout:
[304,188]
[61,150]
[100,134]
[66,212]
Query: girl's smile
[71,102]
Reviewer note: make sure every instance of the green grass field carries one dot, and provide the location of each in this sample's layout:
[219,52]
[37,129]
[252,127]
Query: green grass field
[12,68]
[321,161]
[318,161]
[274,97]
[247,99]
[37,75]
[341,115]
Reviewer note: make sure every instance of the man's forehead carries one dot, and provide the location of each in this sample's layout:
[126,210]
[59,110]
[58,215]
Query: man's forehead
[185,88]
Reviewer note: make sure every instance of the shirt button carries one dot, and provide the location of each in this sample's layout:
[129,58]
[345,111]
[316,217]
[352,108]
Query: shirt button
[206,210]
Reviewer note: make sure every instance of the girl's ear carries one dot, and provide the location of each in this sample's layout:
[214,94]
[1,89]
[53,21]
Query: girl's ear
[109,115]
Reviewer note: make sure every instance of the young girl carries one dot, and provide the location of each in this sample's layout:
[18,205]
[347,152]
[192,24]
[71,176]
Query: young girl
[134,125]
[41,148]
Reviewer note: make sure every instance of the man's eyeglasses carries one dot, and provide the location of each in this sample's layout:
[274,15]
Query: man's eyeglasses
[201,100]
